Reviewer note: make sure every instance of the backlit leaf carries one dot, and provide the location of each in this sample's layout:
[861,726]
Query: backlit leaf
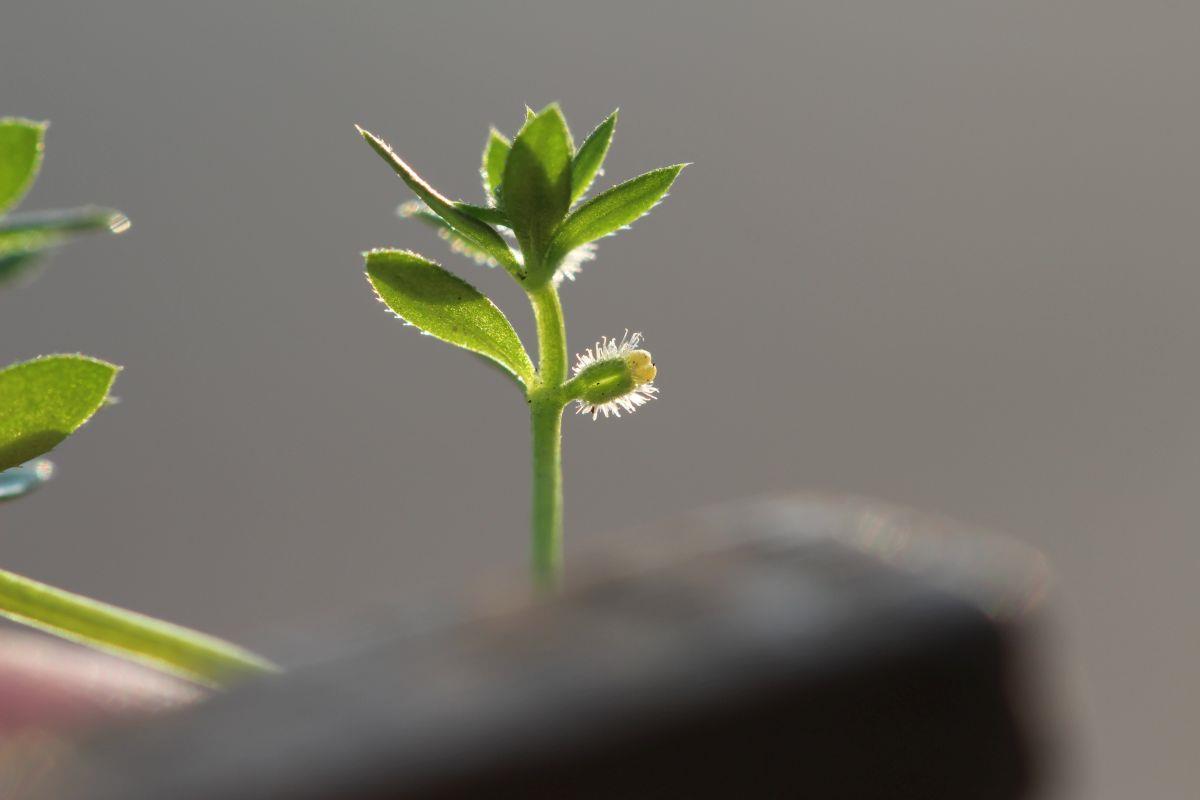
[44,400]
[477,232]
[590,157]
[425,295]
[495,154]
[610,211]
[537,181]
[21,146]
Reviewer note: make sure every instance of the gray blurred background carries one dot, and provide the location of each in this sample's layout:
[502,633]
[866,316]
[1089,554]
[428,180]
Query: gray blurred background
[943,254]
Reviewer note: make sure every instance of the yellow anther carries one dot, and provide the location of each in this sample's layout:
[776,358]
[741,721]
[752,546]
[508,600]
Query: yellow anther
[641,367]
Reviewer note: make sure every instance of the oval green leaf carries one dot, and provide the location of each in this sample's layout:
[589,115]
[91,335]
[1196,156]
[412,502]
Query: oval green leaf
[474,230]
[21,146]
[590,157]
[610,211]
[537,181]
[45,400]
[423,294]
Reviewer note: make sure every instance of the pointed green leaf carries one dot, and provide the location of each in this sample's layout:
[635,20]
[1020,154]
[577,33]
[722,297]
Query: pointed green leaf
[44,400]
[21,146]
[495,154]
[590,158]
[611,210]
[475,231]
[537,181]
[423,294]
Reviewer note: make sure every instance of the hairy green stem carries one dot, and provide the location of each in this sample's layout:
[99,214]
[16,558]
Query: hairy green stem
[164,646]
[547,493]
[546,406]
[552,337]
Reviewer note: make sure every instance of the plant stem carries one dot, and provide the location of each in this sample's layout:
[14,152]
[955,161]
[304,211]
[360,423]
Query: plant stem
[547,494]
[164,646]
[546,406]
[552,337]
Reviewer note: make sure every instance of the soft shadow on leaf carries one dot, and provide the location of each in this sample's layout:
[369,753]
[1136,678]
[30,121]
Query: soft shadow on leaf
[31,445]
[45,400]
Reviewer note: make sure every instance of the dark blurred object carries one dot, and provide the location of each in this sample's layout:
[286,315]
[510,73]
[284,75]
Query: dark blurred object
[775,648]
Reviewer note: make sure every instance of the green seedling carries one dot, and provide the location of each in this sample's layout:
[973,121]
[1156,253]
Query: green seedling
[537,224]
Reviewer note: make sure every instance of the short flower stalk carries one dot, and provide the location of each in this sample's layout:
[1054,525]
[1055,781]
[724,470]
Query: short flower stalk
[538,225]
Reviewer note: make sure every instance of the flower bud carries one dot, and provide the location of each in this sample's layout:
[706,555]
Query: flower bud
[615,376]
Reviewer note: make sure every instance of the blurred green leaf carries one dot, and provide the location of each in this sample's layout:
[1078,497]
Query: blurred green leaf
[171,648]
[74,220]
[18,265]
[423,294]
[611,210]
[26,237]
[537,181]
[495,153]
[492,216]
[475,231]
[417,210]
[21,146]
[44,400]
[590,158]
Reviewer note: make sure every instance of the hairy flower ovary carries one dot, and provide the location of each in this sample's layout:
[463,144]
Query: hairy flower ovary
[613,376]
[603,382]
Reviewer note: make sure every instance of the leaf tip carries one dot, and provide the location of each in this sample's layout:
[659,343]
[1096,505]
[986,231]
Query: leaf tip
[379,145]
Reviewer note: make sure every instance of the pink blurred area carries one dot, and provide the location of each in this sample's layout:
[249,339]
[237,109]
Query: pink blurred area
[52,686]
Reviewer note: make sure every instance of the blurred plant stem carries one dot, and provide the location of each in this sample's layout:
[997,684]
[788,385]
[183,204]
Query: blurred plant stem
[172,648]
